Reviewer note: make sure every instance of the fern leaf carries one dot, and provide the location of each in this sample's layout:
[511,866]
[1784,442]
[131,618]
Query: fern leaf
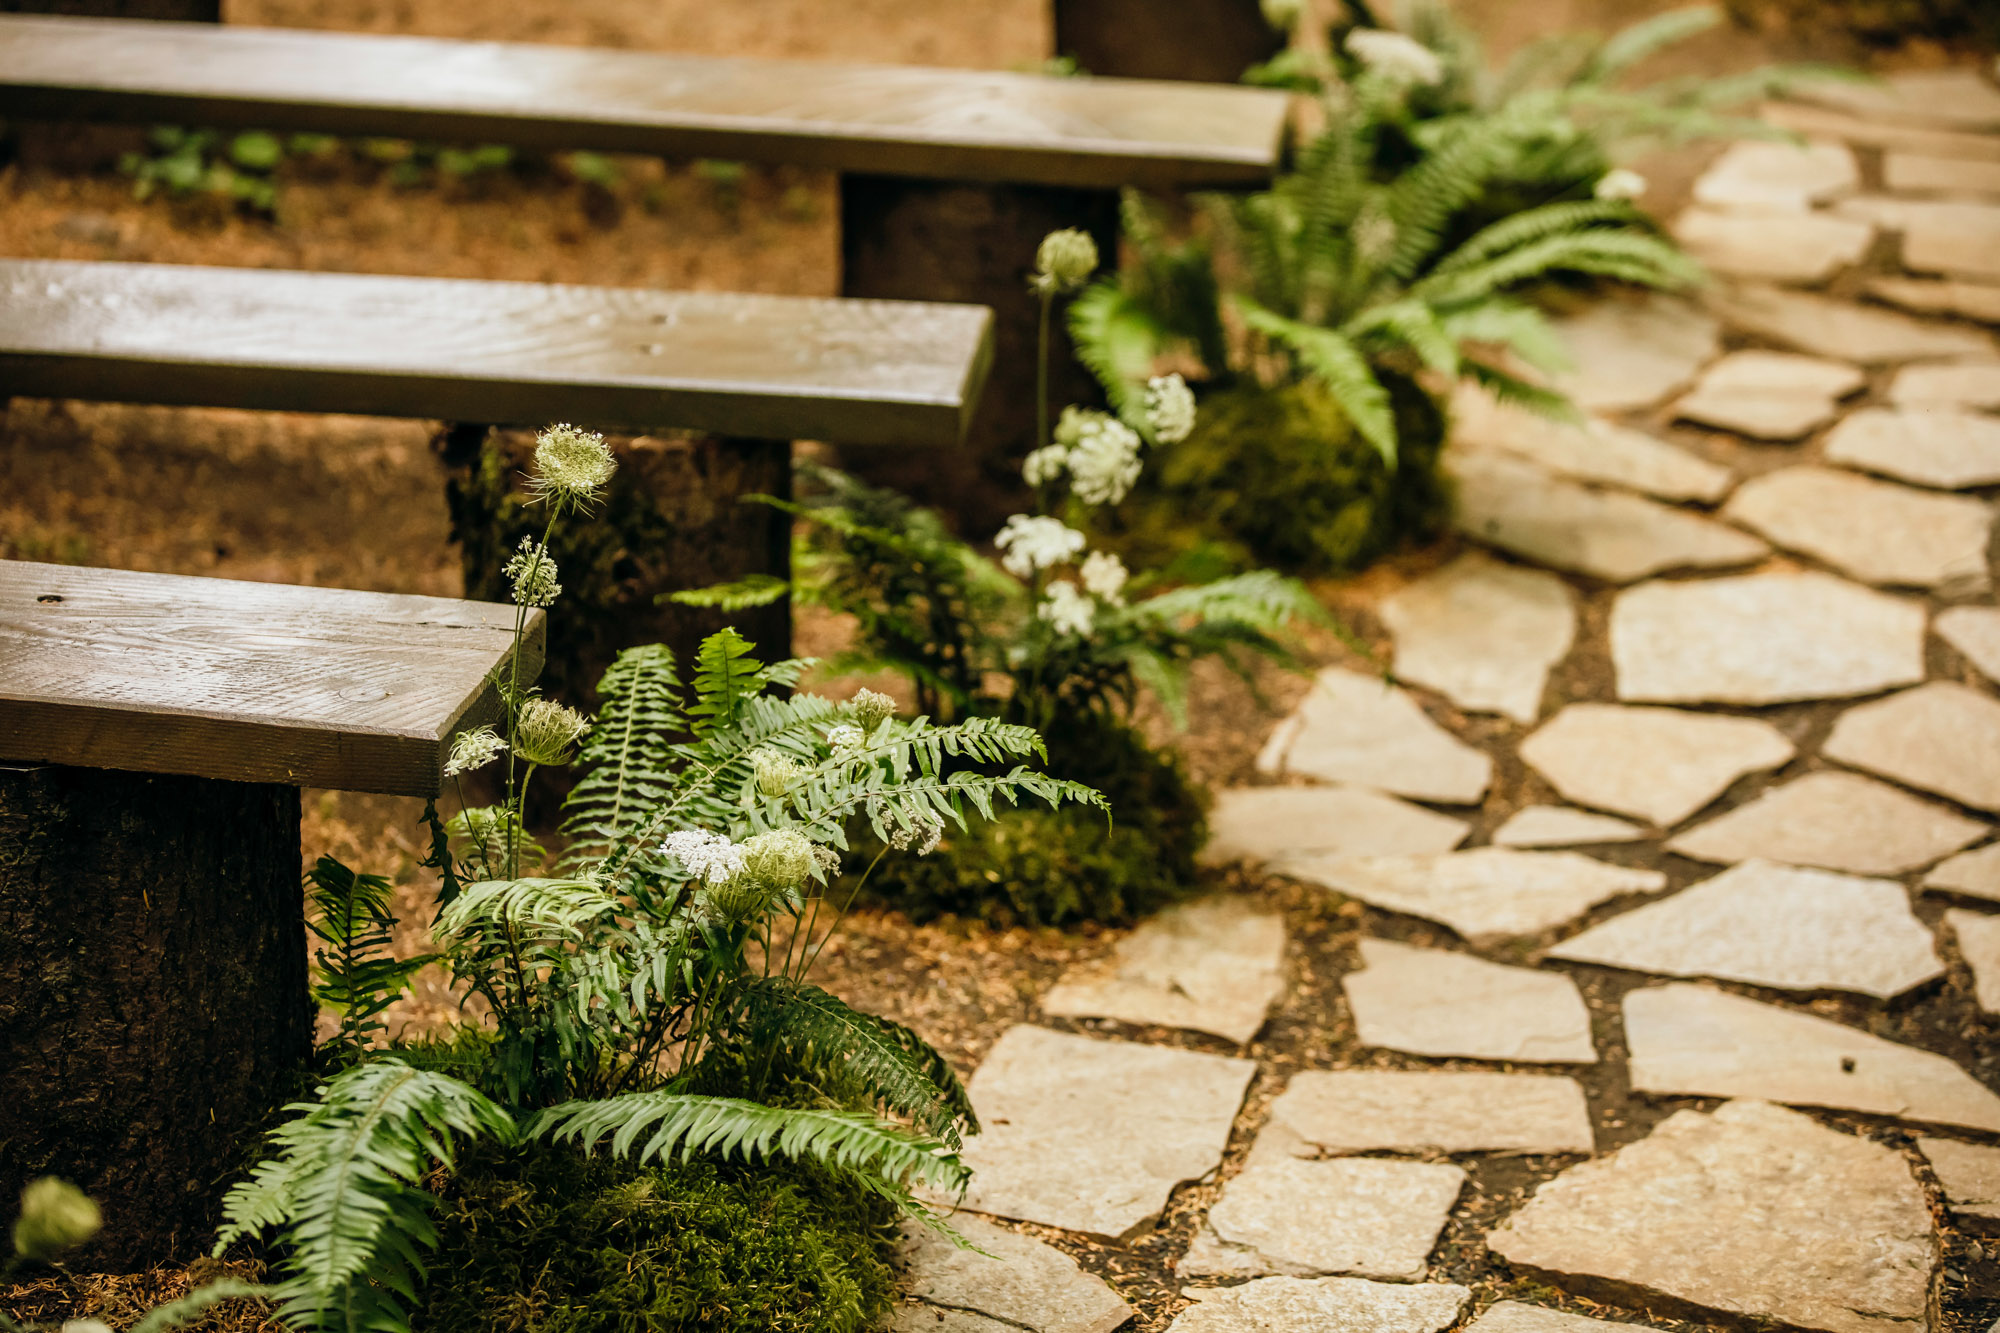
[1517,392]
[1338,364]
[200,1301]
[1117,339]
[746,592]
[356,973]
[538,909]
[1634,43]
[725,674]
[1522,329]
[627,760]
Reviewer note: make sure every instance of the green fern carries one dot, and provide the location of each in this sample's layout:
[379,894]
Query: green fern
[627,759]
[740,595]
[355,973]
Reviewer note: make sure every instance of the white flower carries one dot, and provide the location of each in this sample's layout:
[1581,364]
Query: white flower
[473,749]
[532,571]
[924,835]
[544,731]
[1064,261]
[1033,543]
[1068,610]
[1170,408]
[1620,183]
[1394,56]
[844,738]
[1103,455]
[1104,575]
[774,773]
[871,708]
[707,856]
[1044,465]
[571,465]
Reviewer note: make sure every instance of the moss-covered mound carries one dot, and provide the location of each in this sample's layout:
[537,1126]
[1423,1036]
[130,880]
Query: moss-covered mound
[1035,866]
[556,1242]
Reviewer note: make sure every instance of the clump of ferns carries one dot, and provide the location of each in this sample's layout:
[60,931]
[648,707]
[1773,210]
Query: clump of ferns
[647,985]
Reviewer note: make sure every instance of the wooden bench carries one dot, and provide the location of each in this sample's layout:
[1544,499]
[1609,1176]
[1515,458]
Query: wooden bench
[154,733]
[948,177]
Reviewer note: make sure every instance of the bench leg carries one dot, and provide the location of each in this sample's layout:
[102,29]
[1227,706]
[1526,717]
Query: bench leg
[935,241]
[1203,41]
[674,518]
[153,1000]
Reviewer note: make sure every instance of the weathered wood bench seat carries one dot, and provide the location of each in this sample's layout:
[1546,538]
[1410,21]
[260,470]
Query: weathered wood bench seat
[154,733]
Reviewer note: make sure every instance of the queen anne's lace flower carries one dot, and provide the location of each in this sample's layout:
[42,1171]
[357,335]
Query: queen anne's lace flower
[1620,183]
[1103,455]
[705,856]
[1044,465]
[780,859]
[473,749]
[532,571]
[1032,543]
[871,709]
[923,836]
[1394,56]
[844,738]
[1068,610]
[545,731]
[774,773]
[1104,576]
[1170,408]
[571,465]
[1064,261]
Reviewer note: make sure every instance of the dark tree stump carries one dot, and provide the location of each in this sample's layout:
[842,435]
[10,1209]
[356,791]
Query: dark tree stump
[925,240]
[192,11]
[153,1001]
[1196,41]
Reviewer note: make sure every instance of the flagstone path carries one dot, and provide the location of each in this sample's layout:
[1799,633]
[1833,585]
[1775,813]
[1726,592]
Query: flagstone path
[1734,637]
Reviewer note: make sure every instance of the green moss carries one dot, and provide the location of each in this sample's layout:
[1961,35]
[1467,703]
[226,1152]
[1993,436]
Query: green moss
[556,1242]
[1035,866]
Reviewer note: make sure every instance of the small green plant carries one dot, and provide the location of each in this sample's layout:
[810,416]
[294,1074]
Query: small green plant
[237,167]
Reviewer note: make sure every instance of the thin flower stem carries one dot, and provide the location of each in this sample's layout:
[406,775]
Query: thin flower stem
[1042,371]
[834,925]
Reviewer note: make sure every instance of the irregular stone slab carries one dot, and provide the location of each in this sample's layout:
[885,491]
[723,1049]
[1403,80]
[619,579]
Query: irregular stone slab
[1483,892]
[1837,821]
[1633,353]
[1957,99]
[1482,634]
[1213,966]
[1975,632]
[1973,300]
[1880,133]
[1788,247]
[1763,639]
[1321,1305]
[1962,384]
[1660,764]
[1917,173]
[1955,238]
[1092,1135]
[1435,1002]
[1825,326]
[1944,448]
[1560,826]
[1530,512]
[1260,823]
[1380,1110]
[1970,1175]
[1772,925]
[1876,531]
[1357,1215]
[1025,1284]
[1362,730]
[1514,1317]
[1936,737]
[1770,395]
[1753,1211]
[1597,450]
[1975,873]
[1979,940]
[1763,176]
[1694,1041]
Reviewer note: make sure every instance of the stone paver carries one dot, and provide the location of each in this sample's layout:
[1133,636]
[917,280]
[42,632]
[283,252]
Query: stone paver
[1916,173]
[1948,384]
[1633,353]
[1691,1040]
[1530,512]
[1658,764]
[1836,821]
[1514,1317]
[1378,1110]
[1764,176]
[1093,1135]
[1975,632]
[1975,873]
[1596,450]
[1942,737]
[1355,1215]
[1940,296]
[1877,132]
[1955,238]
[1018,1283]
[1969,1173]
[1794,247]
[1259,823]
[1772,925]
[1321,1305]
[1482,892]
[1956,99]
[1213,966]
[1763,639]
[1360,729]
[1435,1002]
[1978,935]
[1941,448]
[1560,826]
[1482,634]
[1753,1211]
[1877,531]
[1770,395]
[1825,326]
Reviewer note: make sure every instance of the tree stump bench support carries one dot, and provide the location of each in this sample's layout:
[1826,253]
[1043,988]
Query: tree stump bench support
[155,731]
[950,177]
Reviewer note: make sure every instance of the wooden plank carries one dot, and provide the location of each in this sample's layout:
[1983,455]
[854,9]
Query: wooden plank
[249,682]
[505,353]
[880,119]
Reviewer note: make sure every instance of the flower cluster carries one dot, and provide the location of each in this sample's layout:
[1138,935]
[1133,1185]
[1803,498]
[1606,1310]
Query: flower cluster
[705,856]
[1620,183]
[532,571]
[1068,610]
[546,732]
[924,836]
[845,738]
[473,749]
[571,467]
[1395,57]
[1064,261]
[1170,408]
[1102,454]
[775,774]
[1036,542]
[871,709]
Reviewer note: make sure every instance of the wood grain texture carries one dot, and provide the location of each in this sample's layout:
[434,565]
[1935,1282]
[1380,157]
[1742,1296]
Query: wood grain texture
[945,124]
[250,682]
[510,353]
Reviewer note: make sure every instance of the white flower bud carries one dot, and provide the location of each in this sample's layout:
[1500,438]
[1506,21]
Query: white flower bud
[775,773]
[1395,57]
[473,749]
[1170,408]
[871,709]
[546,732]
[55,1216]
[1064,261]
[1620,183]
